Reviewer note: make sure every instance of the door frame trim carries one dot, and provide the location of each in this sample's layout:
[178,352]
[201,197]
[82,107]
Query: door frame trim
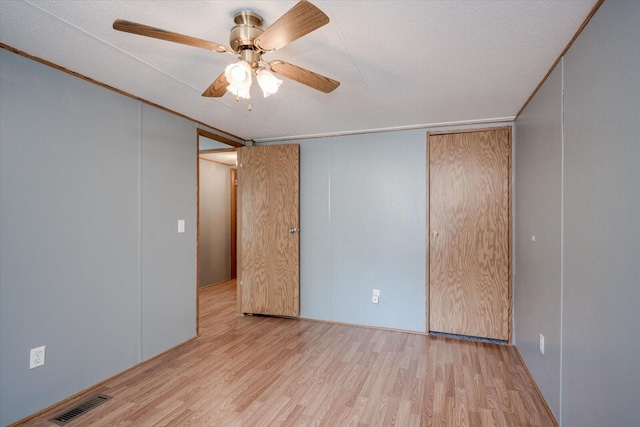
[233,182]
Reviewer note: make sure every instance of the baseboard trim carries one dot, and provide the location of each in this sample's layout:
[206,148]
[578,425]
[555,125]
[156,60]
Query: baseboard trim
[82,394]
[535,385]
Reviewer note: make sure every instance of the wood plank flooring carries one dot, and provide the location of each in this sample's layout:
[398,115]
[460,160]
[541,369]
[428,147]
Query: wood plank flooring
[262,371]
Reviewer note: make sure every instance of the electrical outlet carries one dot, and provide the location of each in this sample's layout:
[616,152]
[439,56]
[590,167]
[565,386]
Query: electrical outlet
[374,299]
[36,357]
[541,343]
[376,292]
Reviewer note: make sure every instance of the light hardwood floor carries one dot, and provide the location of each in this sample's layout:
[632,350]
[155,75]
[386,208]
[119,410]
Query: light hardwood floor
[261,371]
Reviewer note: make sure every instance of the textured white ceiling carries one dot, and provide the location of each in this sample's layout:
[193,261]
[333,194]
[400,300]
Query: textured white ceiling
[400,63]
[229,158]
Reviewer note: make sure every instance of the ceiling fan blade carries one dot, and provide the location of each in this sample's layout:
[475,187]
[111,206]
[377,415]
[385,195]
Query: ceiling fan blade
[217,88]
[157,33]
[301,19]
[304,76]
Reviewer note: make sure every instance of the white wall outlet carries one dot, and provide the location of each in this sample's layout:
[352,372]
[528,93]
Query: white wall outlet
[541,343]
[374,299]
[36,357]
[181,226]
[376,292]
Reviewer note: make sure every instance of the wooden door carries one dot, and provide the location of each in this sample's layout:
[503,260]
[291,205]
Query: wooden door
[268,224]
[470,227]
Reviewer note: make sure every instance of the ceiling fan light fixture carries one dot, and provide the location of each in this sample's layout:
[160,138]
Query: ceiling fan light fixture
[268,82]
[249,41]
[238,74]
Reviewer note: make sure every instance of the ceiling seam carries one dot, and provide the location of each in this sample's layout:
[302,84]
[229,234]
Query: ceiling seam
[352,56]
[109,44]
[558,60]
[135,58]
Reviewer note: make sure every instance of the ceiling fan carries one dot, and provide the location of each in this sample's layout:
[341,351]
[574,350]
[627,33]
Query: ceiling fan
[249,42]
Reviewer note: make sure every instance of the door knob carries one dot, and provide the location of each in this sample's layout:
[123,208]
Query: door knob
[435,233]
[293,230]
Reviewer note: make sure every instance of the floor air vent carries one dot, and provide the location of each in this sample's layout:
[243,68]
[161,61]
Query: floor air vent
[82,408]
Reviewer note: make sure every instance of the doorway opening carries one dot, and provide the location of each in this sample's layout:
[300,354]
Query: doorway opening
[216,211]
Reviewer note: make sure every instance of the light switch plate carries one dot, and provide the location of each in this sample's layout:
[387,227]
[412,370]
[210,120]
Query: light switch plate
[181,226]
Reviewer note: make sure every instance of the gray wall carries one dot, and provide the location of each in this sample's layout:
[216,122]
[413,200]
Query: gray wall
[538,201]
[362,227]
[601,320]
[600,281]
[363,209]
[378,235]
[205,143]
[214,255]
[92,184]
[169,155]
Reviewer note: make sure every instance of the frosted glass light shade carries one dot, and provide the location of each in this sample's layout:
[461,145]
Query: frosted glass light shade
[239,77]
[242,92]
[268,82]
[238,74]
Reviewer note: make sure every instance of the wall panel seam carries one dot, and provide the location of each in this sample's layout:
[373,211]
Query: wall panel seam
[330,231]
[140,153]
[561,235]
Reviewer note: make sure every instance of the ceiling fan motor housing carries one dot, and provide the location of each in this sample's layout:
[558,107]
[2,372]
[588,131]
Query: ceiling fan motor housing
[241,39]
